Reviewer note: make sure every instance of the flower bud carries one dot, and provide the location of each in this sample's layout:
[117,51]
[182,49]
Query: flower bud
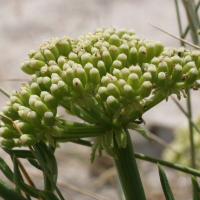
[125,73]
[86,58]
[35,89]
[34,119]
[136,69]
[47,82]
[140,44]
[16,106]
[133,81]
[102,68]
[158,48]
[55,69]
[36,64]
[155,61]
[177,73]
[195,56]
[63,88]
[70,76]
[169,64]
[145,89]
[145,77]
[45,71]
[31,53]
[25,95]
[96,57]
[74,57]
[25,67]
[129,93]
[142,55]
[95,76]
[28,139]
[61,61]
[192,76]
[116,65]
[102,91]
[114,52]
[41,108]
[65,67]
[162,79]
[78,86]
[94,50]
[126,37]
[113,90]
[102,49]
[9,143]
[153,70]
[81,74]
[162,67]
[121,32]
[55,92]
[10,112]
[87,69]
[25,127]
[40,83]
[114,40]
[133,56]
[50,101]
[188,66]
[49,119]
[123,59]
[63,47]
[39,56]
[23,114]
[48,55]
[117,73]
[105,44]
[131,32]
[124,49]
[8,134]
[42,95]
[113,103]
[107,60]
[150,48]
[176,60]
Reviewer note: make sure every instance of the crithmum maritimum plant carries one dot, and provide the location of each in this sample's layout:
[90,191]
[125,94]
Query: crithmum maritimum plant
[106,78]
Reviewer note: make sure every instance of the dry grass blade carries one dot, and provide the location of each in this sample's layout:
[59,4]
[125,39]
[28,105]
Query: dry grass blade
[102,179]
[176,37]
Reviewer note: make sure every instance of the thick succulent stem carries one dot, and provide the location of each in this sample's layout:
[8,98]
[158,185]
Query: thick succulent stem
[128,171]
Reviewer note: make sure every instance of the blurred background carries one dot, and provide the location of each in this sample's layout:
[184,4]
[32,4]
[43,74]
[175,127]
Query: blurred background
[24,23]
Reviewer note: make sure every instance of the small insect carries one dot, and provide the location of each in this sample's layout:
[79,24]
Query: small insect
[180,54]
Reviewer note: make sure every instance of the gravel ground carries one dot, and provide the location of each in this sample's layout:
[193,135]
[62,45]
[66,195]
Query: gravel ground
[23,23]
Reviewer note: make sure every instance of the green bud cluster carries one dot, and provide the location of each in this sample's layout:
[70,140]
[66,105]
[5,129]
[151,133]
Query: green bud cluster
[98,77]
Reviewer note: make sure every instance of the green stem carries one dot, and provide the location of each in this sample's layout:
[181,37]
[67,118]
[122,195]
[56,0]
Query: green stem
[5,92]
[178,167]
[186,114]
[187,29]
[128,171]
[191,131]
[140,156]
[179,20]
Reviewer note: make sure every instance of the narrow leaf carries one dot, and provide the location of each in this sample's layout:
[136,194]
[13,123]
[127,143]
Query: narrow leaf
[8,193]
[165,184]
[196,189]
[46,195]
